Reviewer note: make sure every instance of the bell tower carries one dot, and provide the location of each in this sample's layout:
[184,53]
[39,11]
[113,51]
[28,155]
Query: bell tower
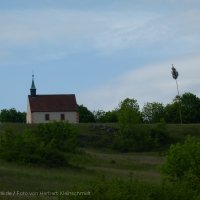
[33,88]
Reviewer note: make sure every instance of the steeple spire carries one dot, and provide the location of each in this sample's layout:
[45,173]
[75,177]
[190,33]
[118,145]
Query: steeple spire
[33,88]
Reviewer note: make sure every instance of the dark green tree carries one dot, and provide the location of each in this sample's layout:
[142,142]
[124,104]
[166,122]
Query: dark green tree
[85,115]
[128,116]
[172,113]
[106,117]
[129,113]
[11,115]
[190,106]
[153,112]
[111,116]
[99,115]
[132,136]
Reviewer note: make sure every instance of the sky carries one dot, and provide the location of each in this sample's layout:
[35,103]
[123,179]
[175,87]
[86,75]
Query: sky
[103,51]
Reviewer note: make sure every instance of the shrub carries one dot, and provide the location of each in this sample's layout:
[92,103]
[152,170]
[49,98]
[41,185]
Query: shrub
[183,162]
[132,189]
[46,145]
[58,135]
[140,138]
[159,136]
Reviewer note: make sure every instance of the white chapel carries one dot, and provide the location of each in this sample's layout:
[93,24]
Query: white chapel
[51,107]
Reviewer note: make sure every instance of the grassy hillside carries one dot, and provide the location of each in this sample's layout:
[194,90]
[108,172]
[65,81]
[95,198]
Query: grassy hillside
[180,131]
[175,130]
[93,163]
[90,168]
[101,135]
[97,130]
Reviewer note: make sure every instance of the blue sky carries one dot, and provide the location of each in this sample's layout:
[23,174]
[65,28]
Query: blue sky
[101,50]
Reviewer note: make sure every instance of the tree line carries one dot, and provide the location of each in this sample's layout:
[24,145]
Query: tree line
[12,115]
[153,112]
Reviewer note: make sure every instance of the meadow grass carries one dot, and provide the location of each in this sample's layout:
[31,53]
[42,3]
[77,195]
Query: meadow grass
[181,131]
[87,166]
[123,165]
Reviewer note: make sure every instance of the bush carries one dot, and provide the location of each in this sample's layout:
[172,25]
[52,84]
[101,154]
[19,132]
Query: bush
[58,135]
[132,189]
[118,189]
[46,145]
[159,137]
[140,138]
[183,162]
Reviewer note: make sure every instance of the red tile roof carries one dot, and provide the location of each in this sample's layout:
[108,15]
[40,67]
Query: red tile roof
[53,103]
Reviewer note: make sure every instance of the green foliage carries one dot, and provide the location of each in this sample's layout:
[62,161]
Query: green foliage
[12,115]
[175,191]
[153,112]
[129,113]
[190,106]
[118,189]
[57,135]
[132,138]
[132,189]
[140,138]
[106,117]
[99,115]
[85,115]
[183,162]
[111,116]
[45,145]
[160,139]
[172,113]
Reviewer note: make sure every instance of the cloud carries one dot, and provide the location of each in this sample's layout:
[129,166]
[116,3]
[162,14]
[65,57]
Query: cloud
[32,26]
[29,27]
[148,84]
[106,32]
[42,35]
[52,34]
[151,30]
